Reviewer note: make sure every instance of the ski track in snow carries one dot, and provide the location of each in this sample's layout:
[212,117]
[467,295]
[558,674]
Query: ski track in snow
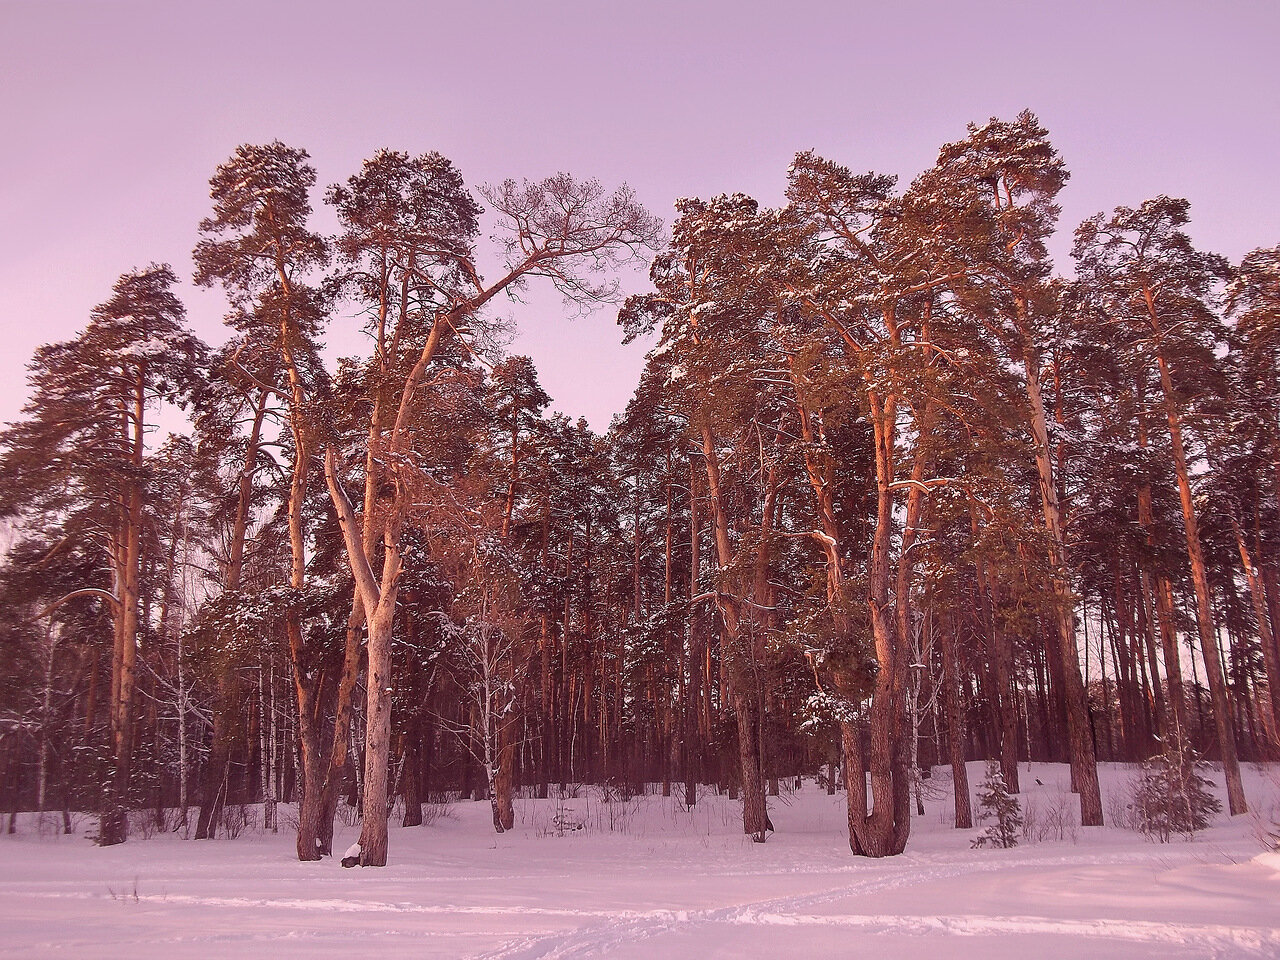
[604,930]
[675,887]
[599,932]
[600,939]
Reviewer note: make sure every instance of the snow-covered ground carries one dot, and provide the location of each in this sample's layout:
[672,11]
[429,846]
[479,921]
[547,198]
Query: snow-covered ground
[649,878]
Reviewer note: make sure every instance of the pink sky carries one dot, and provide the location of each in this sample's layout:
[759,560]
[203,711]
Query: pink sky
[115,114]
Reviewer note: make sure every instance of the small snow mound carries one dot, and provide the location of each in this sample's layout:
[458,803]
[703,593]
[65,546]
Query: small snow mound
[1269,859]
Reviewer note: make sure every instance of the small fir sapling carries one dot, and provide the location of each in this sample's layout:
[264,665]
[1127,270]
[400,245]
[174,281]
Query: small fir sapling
[995,803]
[1170,796]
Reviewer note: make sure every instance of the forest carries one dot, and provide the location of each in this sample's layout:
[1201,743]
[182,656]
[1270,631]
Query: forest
[895,491]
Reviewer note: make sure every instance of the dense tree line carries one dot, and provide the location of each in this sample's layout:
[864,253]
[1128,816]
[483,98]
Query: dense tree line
[891,493]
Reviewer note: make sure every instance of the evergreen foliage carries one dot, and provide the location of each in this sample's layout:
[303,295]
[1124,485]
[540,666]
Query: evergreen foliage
[1171,797]
[997,804]
[886,489]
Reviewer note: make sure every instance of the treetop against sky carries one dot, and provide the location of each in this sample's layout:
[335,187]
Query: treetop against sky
[115,114]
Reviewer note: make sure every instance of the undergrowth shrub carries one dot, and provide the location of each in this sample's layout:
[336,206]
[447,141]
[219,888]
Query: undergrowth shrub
[236,818]
[1049,818]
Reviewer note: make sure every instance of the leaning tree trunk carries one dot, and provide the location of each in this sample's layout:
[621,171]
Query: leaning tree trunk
[1204,613]
[213,791]
[339,761]
[310,805]
[338,767]
[1084,767]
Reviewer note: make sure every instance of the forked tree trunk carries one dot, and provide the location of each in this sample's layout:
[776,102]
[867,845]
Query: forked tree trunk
[882,831]
[373,832]
[213,790]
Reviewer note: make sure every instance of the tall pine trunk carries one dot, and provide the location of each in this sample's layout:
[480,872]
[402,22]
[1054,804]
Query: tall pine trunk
[883,830]
[1084,769]
[744,696]
[1200,580]
[127,568]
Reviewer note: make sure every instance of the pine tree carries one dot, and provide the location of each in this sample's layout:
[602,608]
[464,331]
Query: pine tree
[859,260]
[81,456]
[1005,177]
[230,467]
[1142,272]
[407,225]
[258,246]
[559,228]
[1170,796]
[1250,467]
[997,804]
[710,305]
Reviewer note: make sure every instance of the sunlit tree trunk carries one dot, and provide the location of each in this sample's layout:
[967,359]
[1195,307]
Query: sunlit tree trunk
[1200,580]
[1084,770]
[743,695]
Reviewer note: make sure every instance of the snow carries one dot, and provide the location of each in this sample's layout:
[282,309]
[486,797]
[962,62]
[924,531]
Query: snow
[648,877]
[151,347]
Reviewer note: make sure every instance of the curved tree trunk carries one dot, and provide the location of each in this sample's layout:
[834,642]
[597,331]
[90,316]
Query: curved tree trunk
[339,766]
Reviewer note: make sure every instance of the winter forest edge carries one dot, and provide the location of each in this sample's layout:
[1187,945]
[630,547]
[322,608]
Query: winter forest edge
[892,493]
